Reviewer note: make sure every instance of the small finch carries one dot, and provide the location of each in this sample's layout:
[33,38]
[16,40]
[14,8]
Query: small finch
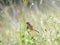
[29,26]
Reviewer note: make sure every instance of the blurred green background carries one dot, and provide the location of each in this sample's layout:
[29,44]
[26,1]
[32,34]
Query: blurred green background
[43,15]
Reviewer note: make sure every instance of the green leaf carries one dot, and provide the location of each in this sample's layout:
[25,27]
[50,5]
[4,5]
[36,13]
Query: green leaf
[23,36]
[58,39]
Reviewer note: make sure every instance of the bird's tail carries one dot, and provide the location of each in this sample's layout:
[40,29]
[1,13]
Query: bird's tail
[36,31]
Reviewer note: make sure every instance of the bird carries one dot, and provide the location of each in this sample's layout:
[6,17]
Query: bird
[29,26]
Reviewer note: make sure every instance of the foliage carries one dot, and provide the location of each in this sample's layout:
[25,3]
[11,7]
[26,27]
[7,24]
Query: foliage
[45,19]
